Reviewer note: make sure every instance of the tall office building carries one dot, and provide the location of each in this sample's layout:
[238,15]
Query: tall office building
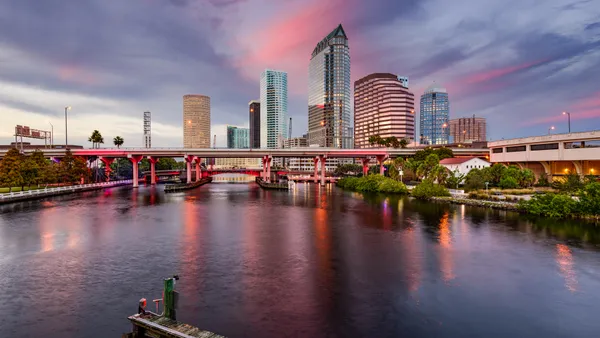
[147,130]
[296,142]
[435,109]
[468,129]
[330,119]
[238,138]
[254,109]
[196,121]
[273,116]
[382,106]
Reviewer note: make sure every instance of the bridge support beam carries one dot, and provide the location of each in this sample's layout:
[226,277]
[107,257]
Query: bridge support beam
[107,162]
[135,159]
[365,164]
[578,167]
[380,160]
[316,164]
[198,171]
[188,167]
[152,161]
[322,159]
[269,159]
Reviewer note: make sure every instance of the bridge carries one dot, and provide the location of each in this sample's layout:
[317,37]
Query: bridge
[194,156]
[554,155]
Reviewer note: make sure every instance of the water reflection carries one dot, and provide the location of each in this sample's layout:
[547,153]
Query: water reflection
[445,239]
[564,259]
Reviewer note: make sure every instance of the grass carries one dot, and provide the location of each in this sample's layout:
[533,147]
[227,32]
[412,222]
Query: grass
[17,189]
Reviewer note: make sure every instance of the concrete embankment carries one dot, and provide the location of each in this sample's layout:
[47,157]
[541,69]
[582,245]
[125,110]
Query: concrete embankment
[51,192]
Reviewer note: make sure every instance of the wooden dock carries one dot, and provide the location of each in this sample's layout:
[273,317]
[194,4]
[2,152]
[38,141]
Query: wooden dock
[187,186]
[272,186]
[153,325]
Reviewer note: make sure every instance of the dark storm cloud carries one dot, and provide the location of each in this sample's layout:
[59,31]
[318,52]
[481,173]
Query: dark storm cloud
[592,26]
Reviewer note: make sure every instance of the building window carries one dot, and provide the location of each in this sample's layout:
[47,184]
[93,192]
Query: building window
[497,150]
[516,149]
[547,146]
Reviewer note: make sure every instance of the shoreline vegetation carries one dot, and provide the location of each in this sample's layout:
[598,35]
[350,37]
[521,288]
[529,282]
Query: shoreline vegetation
[506,188]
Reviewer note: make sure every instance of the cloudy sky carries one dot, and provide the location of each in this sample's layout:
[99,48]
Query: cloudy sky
[519,63]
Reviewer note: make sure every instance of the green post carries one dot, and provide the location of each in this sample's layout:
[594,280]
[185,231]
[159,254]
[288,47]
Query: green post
[168,301]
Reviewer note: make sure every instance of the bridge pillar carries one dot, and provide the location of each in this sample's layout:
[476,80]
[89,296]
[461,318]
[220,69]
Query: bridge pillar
[197,165]
[316,163]
[365,164]
[152,161]
[263,174]
[107,162]
[322,159]
[578,167]
[380,160]
[188,167]
[269,159]
[135,159]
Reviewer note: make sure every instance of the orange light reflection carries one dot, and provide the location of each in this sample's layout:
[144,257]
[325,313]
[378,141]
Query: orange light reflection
[564,259]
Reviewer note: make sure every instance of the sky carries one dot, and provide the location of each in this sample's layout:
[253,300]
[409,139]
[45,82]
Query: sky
[518,63]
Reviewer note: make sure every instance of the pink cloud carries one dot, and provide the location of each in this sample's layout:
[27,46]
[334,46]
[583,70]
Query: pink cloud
[76,74]
[584,109]
[487,75]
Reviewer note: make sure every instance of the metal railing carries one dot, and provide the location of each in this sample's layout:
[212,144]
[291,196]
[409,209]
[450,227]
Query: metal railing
[71,188]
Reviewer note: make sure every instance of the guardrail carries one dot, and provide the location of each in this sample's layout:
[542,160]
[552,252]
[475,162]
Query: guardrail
[71,188]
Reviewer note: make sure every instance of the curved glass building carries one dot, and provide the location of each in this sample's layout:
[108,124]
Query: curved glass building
[434,116]
[273,105]
[330,118]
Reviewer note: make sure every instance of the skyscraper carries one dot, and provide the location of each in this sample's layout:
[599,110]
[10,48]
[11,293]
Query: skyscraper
[468,129]
[147,130]
[254,109]
[196,121]
[435,109]
[238,138]
[273,116]
[382,106]
[330,119]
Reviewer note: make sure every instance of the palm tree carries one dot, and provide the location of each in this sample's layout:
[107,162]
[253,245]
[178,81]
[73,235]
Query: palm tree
[118,141]
[96,139]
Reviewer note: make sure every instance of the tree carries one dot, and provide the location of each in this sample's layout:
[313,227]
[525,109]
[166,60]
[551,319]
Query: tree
[96,139]
[589,199]
[403,143]
[455,178]
[444,152]
[508,182]
[474,180]
[10,169]
[393,172]
[72,170]
[496,173]
[43,168]
[543,180]
[118,141]
[166,163]
[526,178]
[375,139]
[29,172]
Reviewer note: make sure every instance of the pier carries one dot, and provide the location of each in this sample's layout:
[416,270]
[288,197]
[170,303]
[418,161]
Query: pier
[187,186]
[272,186]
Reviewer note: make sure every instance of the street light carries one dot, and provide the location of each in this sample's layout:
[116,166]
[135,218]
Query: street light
[550,130]
[66,133]
[51,134]
[569,116]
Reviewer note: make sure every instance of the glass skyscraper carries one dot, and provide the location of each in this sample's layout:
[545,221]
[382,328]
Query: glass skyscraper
[238,138]
[435,110]
[330,118]
[273,114]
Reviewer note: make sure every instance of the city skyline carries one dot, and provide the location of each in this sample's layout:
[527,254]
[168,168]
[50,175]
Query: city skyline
[544,68]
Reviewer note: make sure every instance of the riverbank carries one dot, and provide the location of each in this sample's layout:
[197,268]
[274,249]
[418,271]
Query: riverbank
[478,203]
[43,193]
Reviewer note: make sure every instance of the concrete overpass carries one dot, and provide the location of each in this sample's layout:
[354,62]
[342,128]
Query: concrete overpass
[555,155]
[194,156]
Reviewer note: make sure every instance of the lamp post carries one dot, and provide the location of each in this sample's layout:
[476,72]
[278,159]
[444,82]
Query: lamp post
[51,135]
[569,117]
[66,132]
[550,130]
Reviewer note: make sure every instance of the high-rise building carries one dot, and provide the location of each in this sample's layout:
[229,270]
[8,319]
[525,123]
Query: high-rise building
[296,142]
[382,106]
[403,80]
[147,130]
[273,115]
[196,121]
[238,138]
[435,110]
[330,119]
[468,129]
[254,109]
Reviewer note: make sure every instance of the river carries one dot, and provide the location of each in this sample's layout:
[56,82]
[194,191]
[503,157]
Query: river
[315,262]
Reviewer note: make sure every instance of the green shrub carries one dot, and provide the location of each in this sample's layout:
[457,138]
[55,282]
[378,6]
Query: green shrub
[348,183]
[392,187]
[508,183]
[428,189]
[369,183]
[589,199]
[550,205]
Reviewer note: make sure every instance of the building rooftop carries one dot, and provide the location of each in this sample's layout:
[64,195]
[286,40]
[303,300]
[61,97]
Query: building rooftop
[435,88]
[338,31]
[456,160]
